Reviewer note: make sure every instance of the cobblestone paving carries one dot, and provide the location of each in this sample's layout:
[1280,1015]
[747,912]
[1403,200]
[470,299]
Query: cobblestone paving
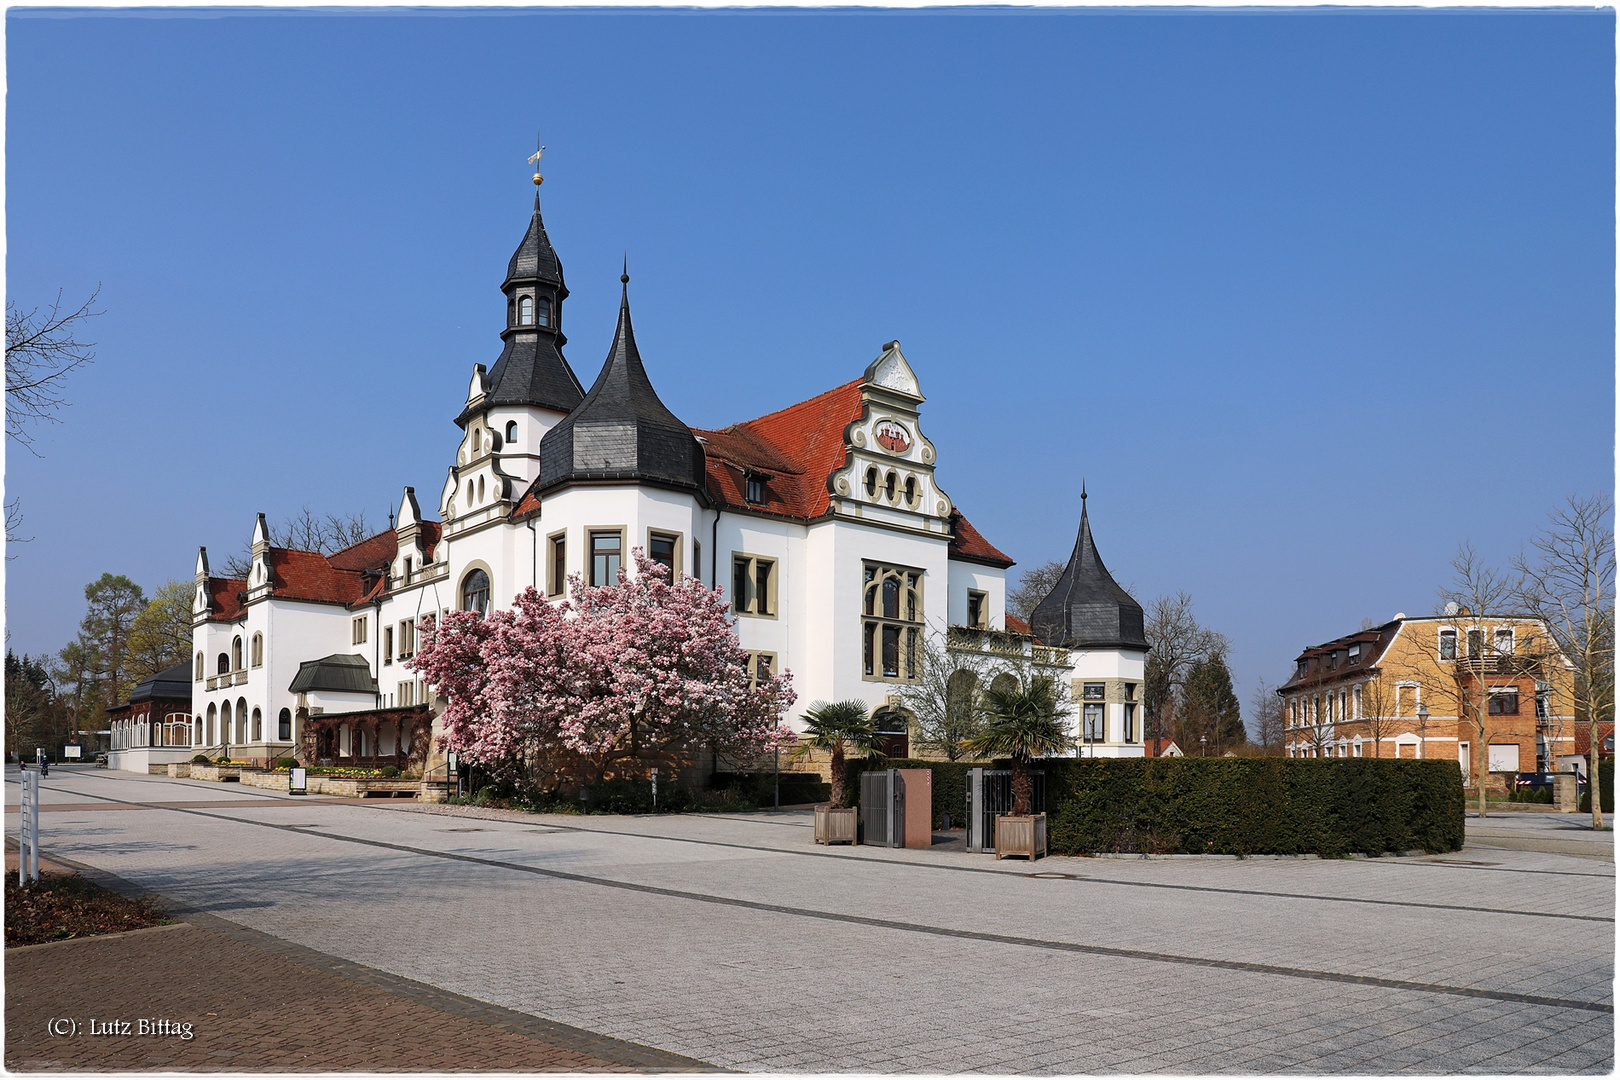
[735,941]
[251,1010]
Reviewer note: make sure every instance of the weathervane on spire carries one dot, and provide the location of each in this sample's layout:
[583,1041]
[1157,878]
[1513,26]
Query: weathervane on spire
[535,160]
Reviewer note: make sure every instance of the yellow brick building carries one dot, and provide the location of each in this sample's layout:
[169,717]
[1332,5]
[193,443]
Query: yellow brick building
[1424,687]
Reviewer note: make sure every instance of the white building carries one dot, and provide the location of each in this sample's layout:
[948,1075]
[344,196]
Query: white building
[824,522]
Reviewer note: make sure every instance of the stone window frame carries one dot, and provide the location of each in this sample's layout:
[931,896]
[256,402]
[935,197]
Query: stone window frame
[752,601]
[591,533]
[677,553]
[557,575]
[909,622]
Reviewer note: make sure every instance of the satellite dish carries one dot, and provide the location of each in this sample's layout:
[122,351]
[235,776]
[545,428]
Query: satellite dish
[1451,609]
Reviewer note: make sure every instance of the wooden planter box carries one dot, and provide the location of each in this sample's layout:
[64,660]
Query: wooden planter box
[835,826]
[1024,836]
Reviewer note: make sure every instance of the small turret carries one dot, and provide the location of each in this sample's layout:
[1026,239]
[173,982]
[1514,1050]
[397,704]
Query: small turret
[1087,608]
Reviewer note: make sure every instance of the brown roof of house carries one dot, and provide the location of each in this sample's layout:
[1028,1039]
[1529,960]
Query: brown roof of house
[796,449]
[1315,665]
[225,598]
[1018,626]
[968,544]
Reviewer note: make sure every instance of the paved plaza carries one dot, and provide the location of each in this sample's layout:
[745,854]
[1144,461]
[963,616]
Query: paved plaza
[731,941]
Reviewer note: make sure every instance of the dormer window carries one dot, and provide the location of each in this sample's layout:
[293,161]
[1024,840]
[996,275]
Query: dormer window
[525,311]
[754,487]
[545,312]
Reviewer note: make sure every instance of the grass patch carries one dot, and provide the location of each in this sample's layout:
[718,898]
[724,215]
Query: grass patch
[58,907]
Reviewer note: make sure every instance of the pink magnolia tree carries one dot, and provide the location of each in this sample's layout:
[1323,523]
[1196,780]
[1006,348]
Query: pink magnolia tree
[644,668]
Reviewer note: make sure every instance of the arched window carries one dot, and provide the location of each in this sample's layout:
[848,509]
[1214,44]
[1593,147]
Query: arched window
[888,486]
[258,725]
[871,483]
[197,738]
[525,311]
[475,592]
[545,312]
[511,431]
[212,715]
[284,726]
[236,654]
[241,720]
[469,493]
[223,664]
[225,722]
[1005,683]
[258,650]
[911,491]
[511,312]
[200,667]
[480,489]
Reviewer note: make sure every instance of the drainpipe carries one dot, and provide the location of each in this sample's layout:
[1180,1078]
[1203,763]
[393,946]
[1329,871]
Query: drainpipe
[534,556]
[714,551]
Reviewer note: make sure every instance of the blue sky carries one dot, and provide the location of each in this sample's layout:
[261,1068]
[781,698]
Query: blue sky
[1307,298]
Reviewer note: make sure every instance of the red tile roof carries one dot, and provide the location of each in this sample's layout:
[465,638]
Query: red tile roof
[968,545]
[796,448]
[309,575]
[368,554]
[529,504]
[1018,626]
[225,598]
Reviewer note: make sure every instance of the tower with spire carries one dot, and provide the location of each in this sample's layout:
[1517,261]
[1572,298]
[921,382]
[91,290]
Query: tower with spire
[530,388]
[622,433]
[1102,628]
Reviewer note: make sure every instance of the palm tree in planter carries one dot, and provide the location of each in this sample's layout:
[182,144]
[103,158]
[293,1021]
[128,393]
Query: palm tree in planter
[1023,722]
[832,726]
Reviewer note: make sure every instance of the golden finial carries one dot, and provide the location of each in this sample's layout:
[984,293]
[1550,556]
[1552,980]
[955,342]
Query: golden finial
[535,160]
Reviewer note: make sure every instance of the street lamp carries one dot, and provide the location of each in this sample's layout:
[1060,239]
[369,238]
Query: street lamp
[1201,741]
[1423,727]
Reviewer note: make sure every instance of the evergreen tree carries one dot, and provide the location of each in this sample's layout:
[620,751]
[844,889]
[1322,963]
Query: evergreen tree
[1210,708]
[34,717]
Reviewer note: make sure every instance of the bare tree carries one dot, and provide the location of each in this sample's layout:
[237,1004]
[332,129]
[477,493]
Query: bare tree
[1266,721]
[1482,592]
[42,348]
[1176,642]
[1380,710]
[1033,586]
[945,700]
[1569,583]
[305,531]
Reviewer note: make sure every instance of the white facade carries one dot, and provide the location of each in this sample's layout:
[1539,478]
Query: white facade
[826,524]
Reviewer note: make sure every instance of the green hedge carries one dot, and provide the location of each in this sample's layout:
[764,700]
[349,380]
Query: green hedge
[1605,787]
[760,787]
[1231,806]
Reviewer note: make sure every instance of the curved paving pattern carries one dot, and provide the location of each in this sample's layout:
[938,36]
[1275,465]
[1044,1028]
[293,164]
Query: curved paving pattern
[726,940]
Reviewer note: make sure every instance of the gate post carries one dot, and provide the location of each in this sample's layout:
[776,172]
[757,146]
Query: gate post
[975,810]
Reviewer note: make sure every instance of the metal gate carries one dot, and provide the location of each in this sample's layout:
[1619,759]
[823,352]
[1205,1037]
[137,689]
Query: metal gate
[989,795]
[883,808]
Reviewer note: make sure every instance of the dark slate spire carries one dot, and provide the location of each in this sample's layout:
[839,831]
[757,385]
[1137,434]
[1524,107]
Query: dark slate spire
[1087,608]
[531,369]
[535,260]
[621,432]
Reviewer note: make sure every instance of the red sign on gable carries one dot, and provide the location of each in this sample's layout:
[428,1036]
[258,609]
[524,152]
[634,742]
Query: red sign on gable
[892,437]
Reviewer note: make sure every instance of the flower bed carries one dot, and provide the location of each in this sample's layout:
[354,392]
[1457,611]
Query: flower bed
[62,906]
